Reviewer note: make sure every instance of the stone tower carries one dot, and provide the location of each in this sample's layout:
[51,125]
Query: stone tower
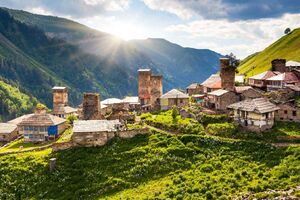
[278,65]
[227,74]
[91,109]
[144,84]
[60,97]
[150,87]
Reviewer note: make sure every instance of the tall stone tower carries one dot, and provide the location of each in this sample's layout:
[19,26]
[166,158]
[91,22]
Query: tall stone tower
[227,74]
[91,108]
[144,85]
[156,89]
[60,97]
[279,65]
[150,87]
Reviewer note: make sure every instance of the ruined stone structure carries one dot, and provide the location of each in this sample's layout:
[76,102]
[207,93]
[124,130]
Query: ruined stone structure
[288,112]
[150,88]
[227,74]
[91,109]
[278,65]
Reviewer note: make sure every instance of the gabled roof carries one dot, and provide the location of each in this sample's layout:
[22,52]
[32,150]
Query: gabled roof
[62,109]
[41,120]
[287,77]
[265,75]
[193,86]
[174,94]
[111,101]
[85,126]
[6,128]
[131,100]
[214,81]
[18,120]
[292,63]
[259,105]
[219,92]
[241,89]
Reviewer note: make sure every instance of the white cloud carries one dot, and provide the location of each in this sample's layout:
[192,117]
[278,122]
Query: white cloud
[239,37]
[188,8]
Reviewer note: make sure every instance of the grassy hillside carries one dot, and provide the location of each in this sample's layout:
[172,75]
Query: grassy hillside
[14,103]
[155,166]
[286,47]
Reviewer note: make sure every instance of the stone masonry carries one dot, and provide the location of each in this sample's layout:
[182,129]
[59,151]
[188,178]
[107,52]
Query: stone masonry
[91,108]
[227,74]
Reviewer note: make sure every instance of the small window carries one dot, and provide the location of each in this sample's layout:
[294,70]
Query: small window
[294,113]
[276,111]
[252,123]
[281,118]
[285,112]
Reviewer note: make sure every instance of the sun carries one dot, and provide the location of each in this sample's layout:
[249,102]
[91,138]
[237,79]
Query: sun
[127,31]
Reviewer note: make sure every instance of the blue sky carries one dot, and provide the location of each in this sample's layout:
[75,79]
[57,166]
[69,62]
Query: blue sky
[238,26]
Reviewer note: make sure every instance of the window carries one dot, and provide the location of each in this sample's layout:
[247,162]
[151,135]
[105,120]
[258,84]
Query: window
[181,101]
[294,113]
[252,123]
[267,115]
[285,112]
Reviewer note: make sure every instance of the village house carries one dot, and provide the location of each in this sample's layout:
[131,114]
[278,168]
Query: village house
[173,98]
[8,132]
[254,114]
[40,126]
[134,103]
[220,99]
[289,111]
[260,80]
[282,80]
[150,89]
[95,132]
[211,84]
[247,92]
[60,102]
[194,88]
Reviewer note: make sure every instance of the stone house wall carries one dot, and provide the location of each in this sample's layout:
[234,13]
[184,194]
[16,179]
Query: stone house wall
[7,137]
[249,94]
[287,113]
[221,102]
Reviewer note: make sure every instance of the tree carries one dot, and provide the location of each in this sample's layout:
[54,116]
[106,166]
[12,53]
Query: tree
[175,113]
[287,31]
[71,118]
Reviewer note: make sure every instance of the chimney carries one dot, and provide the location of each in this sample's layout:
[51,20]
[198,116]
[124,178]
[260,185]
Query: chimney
[279,65]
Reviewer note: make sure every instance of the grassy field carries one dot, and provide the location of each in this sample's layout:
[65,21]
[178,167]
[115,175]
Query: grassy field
[156,166]
[286,47]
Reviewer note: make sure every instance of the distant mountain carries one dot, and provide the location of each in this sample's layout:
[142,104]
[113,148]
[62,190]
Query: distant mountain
[180,66]
[36,62]
[286,47]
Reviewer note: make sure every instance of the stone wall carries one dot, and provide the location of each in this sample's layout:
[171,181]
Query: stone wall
[287,113]
[132,133]
[62,146]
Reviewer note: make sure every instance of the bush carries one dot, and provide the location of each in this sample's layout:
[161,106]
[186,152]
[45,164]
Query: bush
[221,129]
[212,119]
[71,118]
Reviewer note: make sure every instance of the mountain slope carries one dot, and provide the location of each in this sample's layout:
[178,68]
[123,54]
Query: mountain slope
[37,62]
[13,102]
[180,66]
[286,47]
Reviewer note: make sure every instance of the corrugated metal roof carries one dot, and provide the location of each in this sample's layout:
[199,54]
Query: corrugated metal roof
[212,80]
[287,77]
[6,128]
[265,75]
[193,86]
[144,70]
[85,126]
[259,105]
[111,101]
[174,94]
[240,89]
[292,63]
[219,92]
[131,100]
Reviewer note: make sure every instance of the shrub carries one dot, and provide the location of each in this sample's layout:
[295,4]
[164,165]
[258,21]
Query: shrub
[71,118]
[211,119]
[221,129]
